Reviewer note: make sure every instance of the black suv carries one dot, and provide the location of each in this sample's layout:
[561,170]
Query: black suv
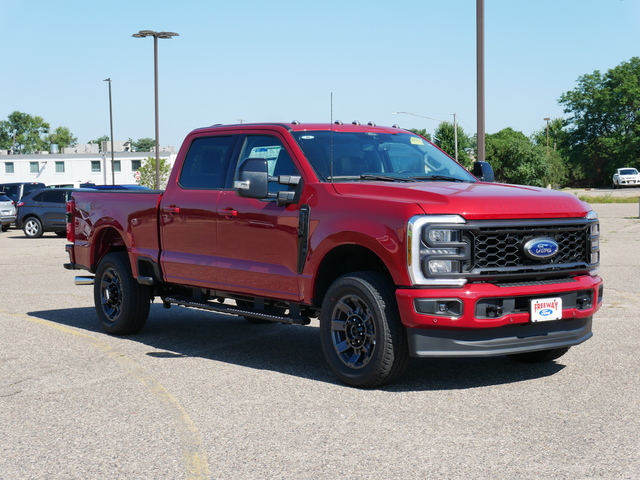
[43,211]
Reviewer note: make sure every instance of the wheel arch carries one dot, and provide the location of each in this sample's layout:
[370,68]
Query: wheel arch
[107,240]
[341,260]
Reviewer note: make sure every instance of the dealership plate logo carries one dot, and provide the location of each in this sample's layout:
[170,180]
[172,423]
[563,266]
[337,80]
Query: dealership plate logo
[541,248]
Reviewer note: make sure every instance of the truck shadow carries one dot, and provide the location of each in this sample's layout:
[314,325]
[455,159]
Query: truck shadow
[291,350]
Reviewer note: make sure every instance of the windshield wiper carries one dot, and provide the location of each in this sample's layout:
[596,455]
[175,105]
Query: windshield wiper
[438,177]
[386,178]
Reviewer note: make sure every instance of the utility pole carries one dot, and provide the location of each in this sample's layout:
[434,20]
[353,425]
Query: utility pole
[480,76]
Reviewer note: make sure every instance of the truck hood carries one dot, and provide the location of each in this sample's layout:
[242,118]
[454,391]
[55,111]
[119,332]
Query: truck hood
[473,201]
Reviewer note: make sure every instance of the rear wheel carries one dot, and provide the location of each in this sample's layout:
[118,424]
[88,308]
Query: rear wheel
[362,337]
[5,227]
[540,357]
[122,304]
[32,227]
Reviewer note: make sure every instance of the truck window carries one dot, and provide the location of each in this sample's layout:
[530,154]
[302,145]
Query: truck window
[207,163]
[278,159]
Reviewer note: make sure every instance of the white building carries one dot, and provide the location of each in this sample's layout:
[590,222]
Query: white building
[79,164]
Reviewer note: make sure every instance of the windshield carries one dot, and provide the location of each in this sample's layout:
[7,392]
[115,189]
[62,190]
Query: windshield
[350,156]
[628,171]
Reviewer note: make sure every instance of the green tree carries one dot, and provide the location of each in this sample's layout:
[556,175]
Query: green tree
[24,133]
[604,128]
[445,138]
[515,159]
[422,132]
[62,137]
[148,172]
[144,144]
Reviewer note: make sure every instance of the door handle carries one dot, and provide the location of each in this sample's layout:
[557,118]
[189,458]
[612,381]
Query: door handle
[171,210]
[228,213]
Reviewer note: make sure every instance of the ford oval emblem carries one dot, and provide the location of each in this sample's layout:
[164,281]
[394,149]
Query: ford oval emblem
[541,248]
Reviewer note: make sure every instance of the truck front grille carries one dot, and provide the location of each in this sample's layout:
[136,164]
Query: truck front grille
[497,248]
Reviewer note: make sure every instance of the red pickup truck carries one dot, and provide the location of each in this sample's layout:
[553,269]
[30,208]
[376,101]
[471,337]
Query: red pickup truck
[396,248]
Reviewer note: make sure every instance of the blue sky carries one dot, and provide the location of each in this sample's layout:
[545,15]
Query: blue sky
[282,60]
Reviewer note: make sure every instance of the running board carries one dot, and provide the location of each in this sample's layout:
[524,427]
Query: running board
[291,319]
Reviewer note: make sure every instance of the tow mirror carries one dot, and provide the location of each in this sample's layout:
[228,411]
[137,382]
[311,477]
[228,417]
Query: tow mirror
[252,179]
[483,172]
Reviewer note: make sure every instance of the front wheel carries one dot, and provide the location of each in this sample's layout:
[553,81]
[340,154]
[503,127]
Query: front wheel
[363,340]
[122,304]
[32,227]
[539,357]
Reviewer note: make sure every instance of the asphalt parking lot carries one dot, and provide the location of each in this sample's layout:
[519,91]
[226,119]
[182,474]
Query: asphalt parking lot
[198,395]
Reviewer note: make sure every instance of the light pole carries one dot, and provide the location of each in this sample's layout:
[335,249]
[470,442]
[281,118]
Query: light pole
[156,36]
[113,174]
[547,120]
[480,76]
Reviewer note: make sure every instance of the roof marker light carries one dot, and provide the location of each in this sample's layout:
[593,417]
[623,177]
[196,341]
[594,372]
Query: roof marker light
[355,122]
[372,124]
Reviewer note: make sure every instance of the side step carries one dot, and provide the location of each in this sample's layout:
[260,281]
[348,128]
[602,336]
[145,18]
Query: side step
[290,319]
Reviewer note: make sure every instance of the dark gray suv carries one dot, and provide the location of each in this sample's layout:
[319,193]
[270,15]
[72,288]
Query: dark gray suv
[43,211]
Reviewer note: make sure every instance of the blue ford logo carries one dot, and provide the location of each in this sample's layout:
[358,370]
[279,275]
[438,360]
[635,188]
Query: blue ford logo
[541,248]
[545,312]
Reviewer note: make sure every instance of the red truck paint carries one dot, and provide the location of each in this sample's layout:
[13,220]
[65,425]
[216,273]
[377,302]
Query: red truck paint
[401,252]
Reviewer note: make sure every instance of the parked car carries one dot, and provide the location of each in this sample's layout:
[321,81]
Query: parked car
[16,190]
[43,211]
[626,177]
[7,212]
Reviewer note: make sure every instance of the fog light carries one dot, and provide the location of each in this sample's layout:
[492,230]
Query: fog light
[442,266]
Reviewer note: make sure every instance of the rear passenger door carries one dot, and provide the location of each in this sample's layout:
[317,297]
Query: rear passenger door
[51,208]
[188,212]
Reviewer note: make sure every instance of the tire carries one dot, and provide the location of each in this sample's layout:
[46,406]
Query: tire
[5,227]
[362,337]
[122,304]
[539,357]
[32,227]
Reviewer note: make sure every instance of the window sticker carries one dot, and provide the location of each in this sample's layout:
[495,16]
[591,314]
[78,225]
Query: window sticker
[268,153]
[417,141]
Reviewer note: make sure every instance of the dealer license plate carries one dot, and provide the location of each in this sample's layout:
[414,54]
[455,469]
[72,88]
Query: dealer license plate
[546,309]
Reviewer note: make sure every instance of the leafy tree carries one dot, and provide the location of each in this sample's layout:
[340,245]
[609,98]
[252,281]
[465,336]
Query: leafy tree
[23,132]
[148,172]
[444,137]
[62,137]
[515,159]
[144,144]
[604,129]
[422,132]
[98,141]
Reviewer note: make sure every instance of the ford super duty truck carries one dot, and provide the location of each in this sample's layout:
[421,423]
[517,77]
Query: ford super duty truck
[394,247]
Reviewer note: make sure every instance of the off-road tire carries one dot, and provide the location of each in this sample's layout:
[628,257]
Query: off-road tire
[122,304]
[364,342]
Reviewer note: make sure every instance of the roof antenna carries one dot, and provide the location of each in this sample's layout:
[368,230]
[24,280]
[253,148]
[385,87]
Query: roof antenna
[331,142]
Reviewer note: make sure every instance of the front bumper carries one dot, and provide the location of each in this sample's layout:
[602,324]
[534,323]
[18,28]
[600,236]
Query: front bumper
[507,340]
[489,319]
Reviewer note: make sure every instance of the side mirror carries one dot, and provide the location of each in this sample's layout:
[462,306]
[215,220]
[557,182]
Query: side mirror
[252,180]
[483,172]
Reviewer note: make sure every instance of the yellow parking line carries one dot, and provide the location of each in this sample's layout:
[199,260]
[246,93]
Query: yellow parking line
[194,456]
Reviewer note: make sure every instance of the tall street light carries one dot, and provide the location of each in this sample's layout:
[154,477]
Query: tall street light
[547,120]
[156,36]
[113,174]
[480,77]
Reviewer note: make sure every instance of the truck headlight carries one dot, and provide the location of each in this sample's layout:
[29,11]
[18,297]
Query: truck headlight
[436,250]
